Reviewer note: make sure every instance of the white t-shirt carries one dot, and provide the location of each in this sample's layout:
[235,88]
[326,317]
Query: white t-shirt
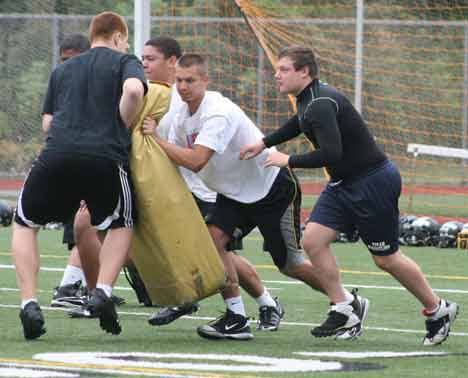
[194,183]
[223,127]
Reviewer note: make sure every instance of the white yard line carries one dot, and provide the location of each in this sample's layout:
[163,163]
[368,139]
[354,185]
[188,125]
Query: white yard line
[279,282]
[283,323]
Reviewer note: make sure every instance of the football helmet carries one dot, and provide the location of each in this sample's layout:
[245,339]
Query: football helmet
[424,231]
[448,234]
[462,239]
[404,228]
[347,237]
[6,214]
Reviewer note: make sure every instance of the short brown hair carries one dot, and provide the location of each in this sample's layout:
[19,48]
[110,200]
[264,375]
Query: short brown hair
[189,60]
[302,57]
[105,24]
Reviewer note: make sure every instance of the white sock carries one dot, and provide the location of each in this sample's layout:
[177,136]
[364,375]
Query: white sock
[26,301]
[236,305]
[106,288]
[349,298]
[265,300]
[71,275]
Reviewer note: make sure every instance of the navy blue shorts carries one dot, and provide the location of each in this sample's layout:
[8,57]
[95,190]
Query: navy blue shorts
[368,203]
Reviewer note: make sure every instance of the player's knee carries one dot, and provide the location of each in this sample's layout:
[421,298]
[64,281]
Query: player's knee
[81,224]
[311,244]
[388,262]
[293,264]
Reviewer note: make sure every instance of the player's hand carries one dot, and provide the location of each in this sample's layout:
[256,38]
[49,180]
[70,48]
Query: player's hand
[277,159]
[149,126]
[251,150]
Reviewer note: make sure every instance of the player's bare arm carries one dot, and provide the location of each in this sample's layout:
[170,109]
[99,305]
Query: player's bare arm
[191,158]
[251,150]
[131,101]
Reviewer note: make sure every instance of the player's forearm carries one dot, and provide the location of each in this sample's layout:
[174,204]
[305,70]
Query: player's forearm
[131,100]
[185,157]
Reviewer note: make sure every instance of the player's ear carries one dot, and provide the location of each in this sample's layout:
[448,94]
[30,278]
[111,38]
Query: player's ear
[304,71]
[172,60]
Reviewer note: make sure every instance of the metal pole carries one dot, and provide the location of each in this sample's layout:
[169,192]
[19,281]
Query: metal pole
[55,42]
[260,89]
[465,106]
[142,25]
[359,54]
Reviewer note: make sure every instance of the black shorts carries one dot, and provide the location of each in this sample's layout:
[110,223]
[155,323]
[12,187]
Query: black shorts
[206,210]
[368,204]
[58,182]
[68,236]
[277,216]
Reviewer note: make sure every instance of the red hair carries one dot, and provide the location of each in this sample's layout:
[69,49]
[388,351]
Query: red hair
[105,24]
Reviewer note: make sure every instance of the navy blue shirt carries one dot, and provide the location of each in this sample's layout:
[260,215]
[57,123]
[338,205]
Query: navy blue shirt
[343,143]
[84,95]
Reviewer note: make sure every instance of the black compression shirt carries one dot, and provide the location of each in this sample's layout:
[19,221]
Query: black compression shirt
[343,143]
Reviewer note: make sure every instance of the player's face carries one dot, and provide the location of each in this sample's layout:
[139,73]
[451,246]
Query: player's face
[287,78]
[155,64]
[67,54]
[191,83]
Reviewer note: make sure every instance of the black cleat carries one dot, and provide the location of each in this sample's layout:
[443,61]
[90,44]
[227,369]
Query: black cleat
[68,296]
[438,324]
[229,326]
[117,300]
[168,314]
[32,320]
[101,306]
[270,317]
[361,308]
[344,321]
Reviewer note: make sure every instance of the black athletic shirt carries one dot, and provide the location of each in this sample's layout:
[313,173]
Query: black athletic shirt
[343,143]
[83,96]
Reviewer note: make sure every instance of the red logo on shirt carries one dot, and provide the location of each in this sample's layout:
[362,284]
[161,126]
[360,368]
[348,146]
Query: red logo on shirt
[191,139]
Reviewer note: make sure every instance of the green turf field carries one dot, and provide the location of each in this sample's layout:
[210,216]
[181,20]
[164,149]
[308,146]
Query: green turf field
[394,325]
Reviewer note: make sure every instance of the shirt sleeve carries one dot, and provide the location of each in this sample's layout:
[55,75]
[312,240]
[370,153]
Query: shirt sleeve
[49,103]
[320,121]
[132,68]
[216,133]
[286,132]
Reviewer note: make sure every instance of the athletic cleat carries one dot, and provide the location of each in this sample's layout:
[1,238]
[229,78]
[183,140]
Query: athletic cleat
[80,313]
[101,306]
[228,326]
[168,314]
[32,321]
[117,300]
[270,317]
[361,308]
[68,296]
[342,319]
[438,324]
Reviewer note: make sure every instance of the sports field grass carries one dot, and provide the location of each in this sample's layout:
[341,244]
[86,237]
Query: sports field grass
[394,326]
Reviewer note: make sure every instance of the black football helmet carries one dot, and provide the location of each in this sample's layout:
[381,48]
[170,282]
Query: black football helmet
[448,234]
[6,214]
[405,227]
[424,231]
[347,237]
